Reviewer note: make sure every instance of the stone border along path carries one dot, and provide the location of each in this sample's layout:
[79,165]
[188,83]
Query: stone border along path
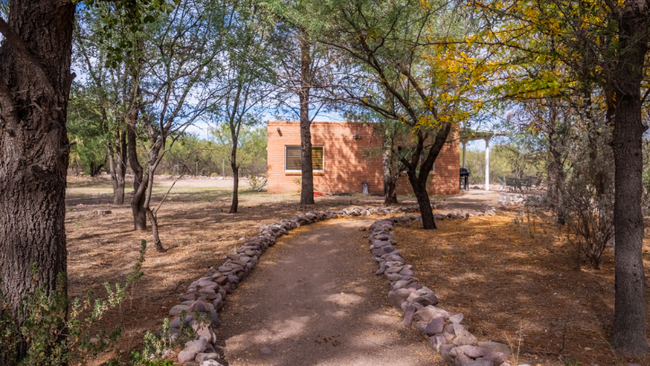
[445,332]
[205,297]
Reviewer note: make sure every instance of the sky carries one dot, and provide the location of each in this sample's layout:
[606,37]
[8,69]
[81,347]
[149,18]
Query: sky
[201,129]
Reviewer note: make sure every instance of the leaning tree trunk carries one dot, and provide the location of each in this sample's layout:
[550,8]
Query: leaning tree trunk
[153,219]
[34,87]
[418,179]
[422,196]
[630,303]
[307,189]
[137,201]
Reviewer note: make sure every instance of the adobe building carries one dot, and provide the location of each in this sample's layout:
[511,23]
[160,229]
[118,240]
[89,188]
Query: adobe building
[345,155]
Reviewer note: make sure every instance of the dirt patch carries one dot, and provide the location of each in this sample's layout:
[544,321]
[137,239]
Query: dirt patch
[518,280]
[314,300]
[194,225]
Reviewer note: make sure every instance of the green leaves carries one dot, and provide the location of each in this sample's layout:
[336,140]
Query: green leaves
[122,22]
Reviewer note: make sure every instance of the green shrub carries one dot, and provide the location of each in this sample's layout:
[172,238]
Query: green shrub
[55,330]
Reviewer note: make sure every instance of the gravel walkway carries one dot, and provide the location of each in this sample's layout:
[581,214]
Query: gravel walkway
[314,300]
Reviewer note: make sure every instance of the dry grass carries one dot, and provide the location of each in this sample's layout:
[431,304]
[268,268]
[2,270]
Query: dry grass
[515,280]
[194,226]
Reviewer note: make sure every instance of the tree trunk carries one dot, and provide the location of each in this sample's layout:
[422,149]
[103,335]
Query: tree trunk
[388,165]
[390,197]
[137,202]
[307,189]
[424,202]
[235,188]
[630,304]
[34,148]
[95,169]
[120,170]
[117,168]
[418,179]
[555,168]
[154,231]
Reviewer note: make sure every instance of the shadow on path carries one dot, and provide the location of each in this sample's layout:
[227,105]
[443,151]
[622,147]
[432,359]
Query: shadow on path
[314,300]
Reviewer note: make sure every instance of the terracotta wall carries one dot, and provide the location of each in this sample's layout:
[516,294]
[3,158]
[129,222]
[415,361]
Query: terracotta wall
[348,161]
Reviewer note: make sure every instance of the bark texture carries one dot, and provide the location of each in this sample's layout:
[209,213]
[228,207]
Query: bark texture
[307,189]
[34,87]
[117,155]
[391,172]
[630,303]
[139,181]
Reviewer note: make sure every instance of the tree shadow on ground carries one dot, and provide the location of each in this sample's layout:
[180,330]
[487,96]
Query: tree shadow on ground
[314,300]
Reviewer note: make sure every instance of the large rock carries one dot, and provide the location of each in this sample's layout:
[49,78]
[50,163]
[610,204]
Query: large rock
[444,352]
[497,358]
[178,309]
[192,348]
[428,313]
[456,319]
[435,326]
[200,357]
[424,297]
[473,351]
[464,338]
[397,297]
[409,311]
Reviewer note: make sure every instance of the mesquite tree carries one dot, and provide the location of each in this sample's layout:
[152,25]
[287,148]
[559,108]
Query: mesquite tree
[393,67]
[603,44]
[104,94]
[301,69]
[247,85]
[179,59]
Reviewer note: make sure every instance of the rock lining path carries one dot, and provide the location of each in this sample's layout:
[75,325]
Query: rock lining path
[314,300]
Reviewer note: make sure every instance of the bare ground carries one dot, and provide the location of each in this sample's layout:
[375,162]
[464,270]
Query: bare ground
[517,280]
[313,300]
[195,227]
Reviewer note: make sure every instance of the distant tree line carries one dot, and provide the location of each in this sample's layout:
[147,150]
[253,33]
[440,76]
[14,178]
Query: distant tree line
[190,155]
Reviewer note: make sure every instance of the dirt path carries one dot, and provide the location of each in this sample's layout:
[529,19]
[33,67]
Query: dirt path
[314,300]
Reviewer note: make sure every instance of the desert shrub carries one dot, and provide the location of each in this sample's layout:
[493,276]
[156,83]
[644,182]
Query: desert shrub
[590,217]
[589,192]
[56,330]
[256,182]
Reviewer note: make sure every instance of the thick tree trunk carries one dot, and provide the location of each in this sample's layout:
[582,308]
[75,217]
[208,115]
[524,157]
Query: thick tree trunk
[630,303]
[307,189]
[34,148]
